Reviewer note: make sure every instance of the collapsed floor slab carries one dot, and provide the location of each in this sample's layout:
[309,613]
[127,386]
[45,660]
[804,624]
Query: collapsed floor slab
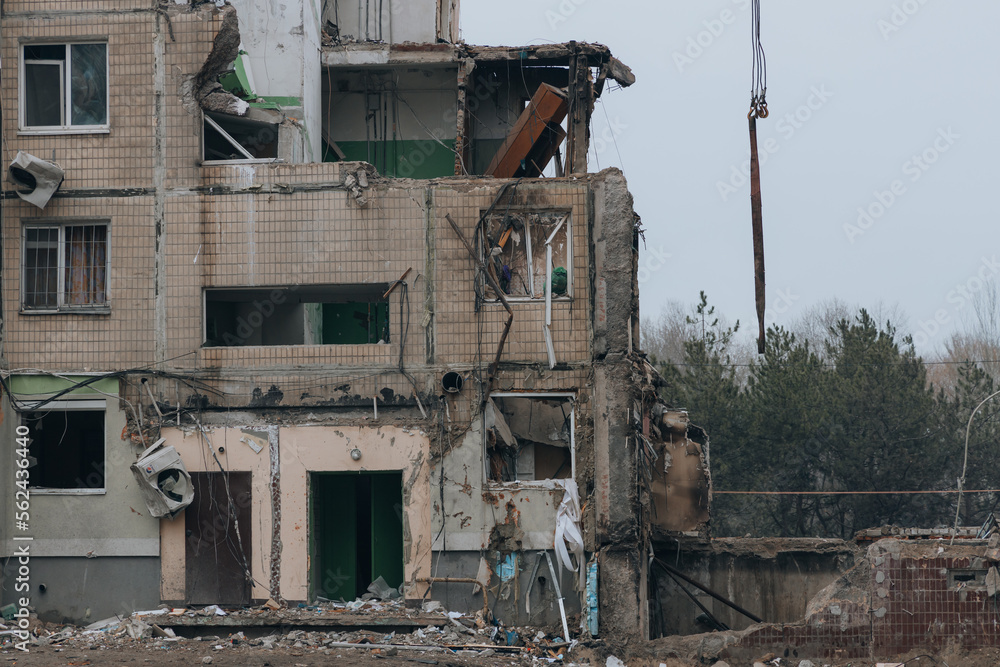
[902,595]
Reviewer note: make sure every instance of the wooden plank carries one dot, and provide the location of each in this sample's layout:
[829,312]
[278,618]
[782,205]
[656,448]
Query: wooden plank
[548,107]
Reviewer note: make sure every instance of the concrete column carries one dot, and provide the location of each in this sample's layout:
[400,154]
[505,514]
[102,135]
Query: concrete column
[620,537]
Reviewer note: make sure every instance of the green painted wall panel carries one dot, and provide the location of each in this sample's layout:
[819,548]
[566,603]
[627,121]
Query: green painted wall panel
[26,386]
[422,158]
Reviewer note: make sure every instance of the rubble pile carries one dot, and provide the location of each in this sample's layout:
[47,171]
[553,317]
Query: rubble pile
[273,626]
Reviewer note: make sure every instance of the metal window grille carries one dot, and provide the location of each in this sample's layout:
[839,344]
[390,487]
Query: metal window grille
[41,267]
[65,266]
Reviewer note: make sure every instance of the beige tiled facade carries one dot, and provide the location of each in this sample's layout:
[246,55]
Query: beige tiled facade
[178,228]
[249,225]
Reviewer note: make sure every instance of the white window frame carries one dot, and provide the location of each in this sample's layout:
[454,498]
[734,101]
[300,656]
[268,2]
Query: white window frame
[567,221]
[247,157]
[61,305]
[570,397]
[67,93]
[73,406]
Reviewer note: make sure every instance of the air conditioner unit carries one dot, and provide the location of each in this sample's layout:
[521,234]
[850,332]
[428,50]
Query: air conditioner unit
[36,179]
[163,480]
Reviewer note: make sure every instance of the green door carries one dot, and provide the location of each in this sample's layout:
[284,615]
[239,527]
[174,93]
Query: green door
[356,532]
[334,536]
[387,528]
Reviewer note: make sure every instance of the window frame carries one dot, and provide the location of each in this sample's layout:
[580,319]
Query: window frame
[567,222]
[61,306]
[336,291]
[66,68]
[569,397]
[74,405]
[247,158]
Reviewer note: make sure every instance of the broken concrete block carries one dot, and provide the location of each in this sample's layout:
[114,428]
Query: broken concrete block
[106,623]
[431,606]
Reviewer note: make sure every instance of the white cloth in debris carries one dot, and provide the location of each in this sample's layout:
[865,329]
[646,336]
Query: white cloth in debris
[568,537]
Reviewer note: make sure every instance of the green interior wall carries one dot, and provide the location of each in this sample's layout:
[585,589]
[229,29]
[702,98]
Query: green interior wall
[355,323]
[356,532]
[423,158]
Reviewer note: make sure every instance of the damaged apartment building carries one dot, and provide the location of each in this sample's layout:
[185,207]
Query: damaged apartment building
[297,297]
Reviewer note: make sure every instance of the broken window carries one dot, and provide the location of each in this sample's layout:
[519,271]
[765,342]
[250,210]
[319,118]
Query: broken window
[233,138]
[64,266]
[530,437]
[64,86]
[67,446]
[529,250]
[310,315]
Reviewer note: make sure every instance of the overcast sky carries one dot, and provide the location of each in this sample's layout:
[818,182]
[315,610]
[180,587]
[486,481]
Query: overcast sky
[869,100]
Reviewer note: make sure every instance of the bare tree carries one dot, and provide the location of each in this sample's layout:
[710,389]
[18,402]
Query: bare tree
[816,322]
[977,340]
[663,337]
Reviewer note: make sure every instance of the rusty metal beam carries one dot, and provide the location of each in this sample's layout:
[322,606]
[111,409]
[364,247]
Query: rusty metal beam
[758,231]
[534,137]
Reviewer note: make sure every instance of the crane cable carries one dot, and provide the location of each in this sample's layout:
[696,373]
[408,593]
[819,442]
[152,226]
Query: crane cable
[758,109]
[758,92]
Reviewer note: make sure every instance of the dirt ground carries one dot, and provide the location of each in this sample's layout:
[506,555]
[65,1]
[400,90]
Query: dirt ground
[195,653]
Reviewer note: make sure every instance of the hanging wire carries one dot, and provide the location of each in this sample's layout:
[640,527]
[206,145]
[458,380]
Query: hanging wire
[758,88]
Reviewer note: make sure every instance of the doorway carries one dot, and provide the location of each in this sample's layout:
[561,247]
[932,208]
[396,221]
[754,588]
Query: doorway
[356,531]
[217,544]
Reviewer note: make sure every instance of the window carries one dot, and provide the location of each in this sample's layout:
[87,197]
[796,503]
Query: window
[528,250]
[233,138]
[65,267]
[64,87]
[530,437]
[66,453]
[299,315]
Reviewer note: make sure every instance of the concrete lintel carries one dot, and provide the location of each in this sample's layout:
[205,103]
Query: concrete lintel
[367,54]
[84,548]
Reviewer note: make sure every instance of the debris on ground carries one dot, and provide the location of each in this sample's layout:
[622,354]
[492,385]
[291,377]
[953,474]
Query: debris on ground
[326,625]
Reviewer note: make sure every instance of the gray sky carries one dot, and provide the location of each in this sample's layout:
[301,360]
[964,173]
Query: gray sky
[862,94]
